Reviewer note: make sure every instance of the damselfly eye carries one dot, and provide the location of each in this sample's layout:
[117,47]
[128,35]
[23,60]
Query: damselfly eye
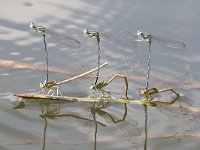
[42,84]
[85,31]
[31,25]
[142,91]
[92,87]
[139,33]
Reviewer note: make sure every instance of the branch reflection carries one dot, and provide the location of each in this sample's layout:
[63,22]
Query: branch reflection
[51,110]
[121,128]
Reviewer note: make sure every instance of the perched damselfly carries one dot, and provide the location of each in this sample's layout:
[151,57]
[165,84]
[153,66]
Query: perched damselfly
[101,85]
[169,43]
[51,85]
[182,80]
[96,35]
[130,40]
[61,38]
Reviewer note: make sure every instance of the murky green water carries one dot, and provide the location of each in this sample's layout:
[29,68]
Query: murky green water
[38,125]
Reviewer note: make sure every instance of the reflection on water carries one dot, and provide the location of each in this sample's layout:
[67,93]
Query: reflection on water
[50,110]
[160,142]
[102,120]
[183,117]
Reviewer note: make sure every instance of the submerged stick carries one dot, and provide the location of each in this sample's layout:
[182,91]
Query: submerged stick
[105,139]
[23,65]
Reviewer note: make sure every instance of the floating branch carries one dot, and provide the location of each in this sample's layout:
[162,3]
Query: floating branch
[42,97]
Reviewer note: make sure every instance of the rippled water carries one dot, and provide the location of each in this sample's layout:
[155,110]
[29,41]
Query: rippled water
[54,125]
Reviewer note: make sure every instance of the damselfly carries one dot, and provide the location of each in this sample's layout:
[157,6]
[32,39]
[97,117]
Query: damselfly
[180,81]
[61,38]
[169,43]
[96,35]
[52,85]
[130,40]
[99,87]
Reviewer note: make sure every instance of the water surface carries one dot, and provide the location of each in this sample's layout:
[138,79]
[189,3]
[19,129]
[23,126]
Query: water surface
[88,125]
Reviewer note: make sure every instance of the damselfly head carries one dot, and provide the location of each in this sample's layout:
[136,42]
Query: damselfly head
[139,33]
[142,36]
[142,92]
[86,31]
[92,87]
[32,25]
[42,85]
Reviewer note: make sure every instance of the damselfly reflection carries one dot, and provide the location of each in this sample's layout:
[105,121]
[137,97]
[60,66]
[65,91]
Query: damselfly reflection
[122,126]
[186,117]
